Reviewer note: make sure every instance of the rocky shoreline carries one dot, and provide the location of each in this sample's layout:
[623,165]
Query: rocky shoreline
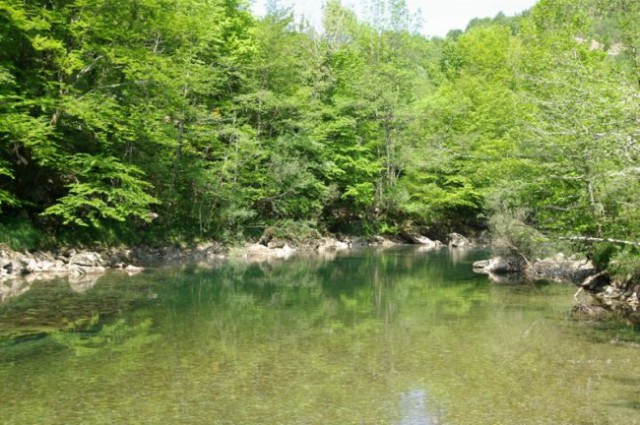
[18,270]
[599,295]
[558,268]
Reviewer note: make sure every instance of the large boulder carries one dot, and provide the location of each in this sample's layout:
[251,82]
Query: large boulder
[418,239]
[456,240]
[556,268]
[11,267]
[563,269]
[259,252]
[84,263]
[117,257]
[86,259]
[331,244]
[209,251]
[13,263]
[357,242]
[499,265]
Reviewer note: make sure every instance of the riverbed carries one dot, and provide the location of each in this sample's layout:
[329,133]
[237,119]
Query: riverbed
[398,336]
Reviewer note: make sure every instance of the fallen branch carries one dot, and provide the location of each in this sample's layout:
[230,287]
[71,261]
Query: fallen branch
[590,239]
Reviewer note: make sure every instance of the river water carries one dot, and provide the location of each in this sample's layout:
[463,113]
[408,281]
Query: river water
[398,337]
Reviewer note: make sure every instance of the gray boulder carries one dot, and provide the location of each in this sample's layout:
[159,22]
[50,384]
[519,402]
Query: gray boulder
[563,269]
[86,259]
[418,239]
[499,265]
[456,240]
[85,263]
[331,244]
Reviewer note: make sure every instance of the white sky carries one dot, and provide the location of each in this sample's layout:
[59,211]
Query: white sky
[439,16]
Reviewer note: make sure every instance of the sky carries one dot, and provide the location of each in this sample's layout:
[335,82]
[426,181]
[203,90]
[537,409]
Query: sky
[439,16]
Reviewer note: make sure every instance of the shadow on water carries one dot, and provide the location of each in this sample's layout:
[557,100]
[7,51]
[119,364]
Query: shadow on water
[631,386]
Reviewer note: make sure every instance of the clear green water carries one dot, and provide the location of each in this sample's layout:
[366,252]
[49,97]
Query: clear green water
[399,337]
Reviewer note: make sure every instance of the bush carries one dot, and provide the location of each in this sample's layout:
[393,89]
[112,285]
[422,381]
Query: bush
[297,232]
[510,232]
[20,234]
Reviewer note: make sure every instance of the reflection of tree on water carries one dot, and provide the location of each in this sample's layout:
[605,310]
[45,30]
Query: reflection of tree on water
[118,337]
[54,305]
[372,339]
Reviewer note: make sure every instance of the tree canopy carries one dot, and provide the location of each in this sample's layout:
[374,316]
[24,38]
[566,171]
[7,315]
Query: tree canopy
[189,119]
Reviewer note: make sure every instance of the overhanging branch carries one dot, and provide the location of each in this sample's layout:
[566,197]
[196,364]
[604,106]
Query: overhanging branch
[590,239]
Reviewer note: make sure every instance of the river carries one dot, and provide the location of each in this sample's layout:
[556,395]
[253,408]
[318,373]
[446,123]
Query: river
[397,337]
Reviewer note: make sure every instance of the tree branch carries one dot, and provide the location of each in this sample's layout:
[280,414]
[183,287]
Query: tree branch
[590,239]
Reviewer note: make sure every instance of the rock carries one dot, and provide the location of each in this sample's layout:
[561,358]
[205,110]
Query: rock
[387,243]
[12,267]
[480,265]
[276,244]
[499,265]
[285,252]
[456,240]
[84,263]
[331,244]
[590,312]
[634,299]
[133,270]
[78,271]
[117,257]
[596,282]
[86,260]
[210,250]
[31,265]
[556,268]
[562,269]
[506,278]
[358,242]
[257,250]
[381,241]
[422,240]
[260,252]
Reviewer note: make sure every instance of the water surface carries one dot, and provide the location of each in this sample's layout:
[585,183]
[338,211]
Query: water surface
[397,337]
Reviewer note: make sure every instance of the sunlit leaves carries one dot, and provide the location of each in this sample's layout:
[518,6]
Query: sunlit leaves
[104,188]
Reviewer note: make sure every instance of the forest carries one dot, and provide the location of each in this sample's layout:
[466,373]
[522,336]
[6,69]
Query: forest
[161,121]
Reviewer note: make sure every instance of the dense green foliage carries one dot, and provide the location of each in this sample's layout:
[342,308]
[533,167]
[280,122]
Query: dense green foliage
[183,119]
